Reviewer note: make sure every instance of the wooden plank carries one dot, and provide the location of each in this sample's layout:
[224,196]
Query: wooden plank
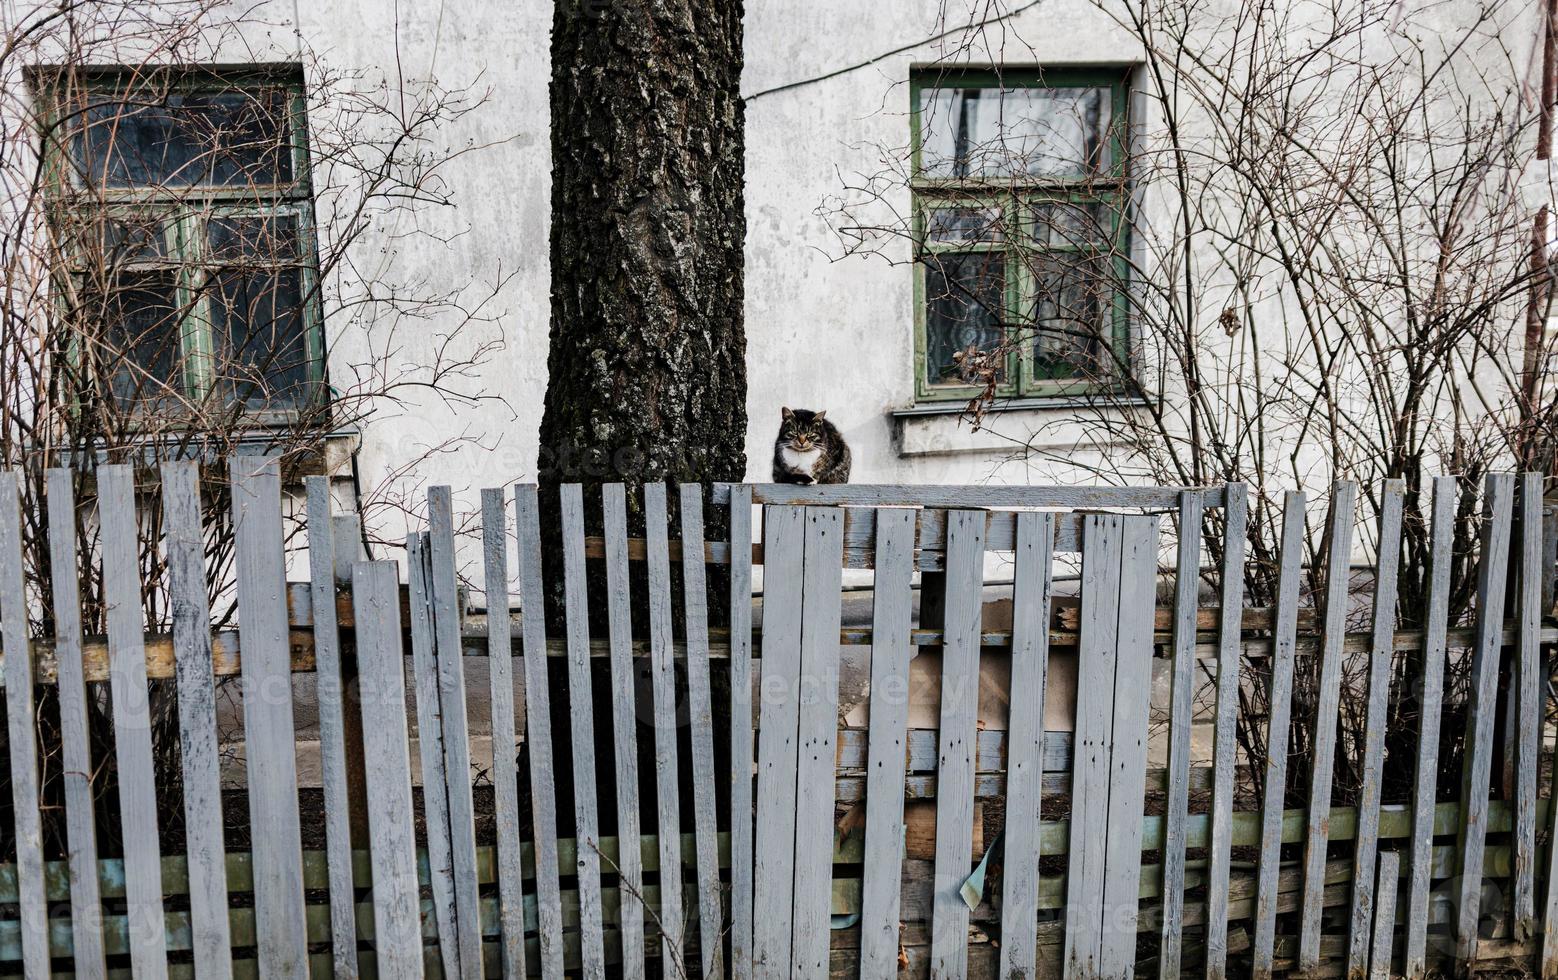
[447,607]
[86,907]
[773,870]
[1225,751]
[21,713]
[505,772]
[1128,739]
[1482,704]
[269,732]
[952,497]
[132,718]
[700,710]
[741,734]
[817,728]
[184,547]
[538,732]
[435,785]
[581,716]
[663,693]
[624,720]
[1384,926]
[1187,582]
[891,621]
[1531,707]
[1102,543]
[329,688]
[397,937]
[1280,700]
[1426,783]
[955,759]
[1386,573]
[1338,581]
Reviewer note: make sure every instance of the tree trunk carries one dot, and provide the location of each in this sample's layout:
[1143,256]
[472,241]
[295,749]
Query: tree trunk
[647,370]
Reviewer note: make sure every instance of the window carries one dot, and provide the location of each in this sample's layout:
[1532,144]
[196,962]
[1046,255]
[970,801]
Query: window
[183,221]
[1019,201]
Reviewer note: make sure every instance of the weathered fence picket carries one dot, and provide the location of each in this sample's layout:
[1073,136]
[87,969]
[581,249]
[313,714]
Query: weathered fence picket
[197,722]
[1381,652]
[830,872]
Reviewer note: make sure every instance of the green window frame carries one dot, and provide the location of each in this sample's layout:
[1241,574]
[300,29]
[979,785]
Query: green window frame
[233,250]
[991,228]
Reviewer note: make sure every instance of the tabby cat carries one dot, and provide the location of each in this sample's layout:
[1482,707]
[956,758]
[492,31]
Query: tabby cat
[809,449]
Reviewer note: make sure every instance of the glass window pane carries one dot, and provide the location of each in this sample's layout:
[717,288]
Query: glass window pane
[139,348]
[1072,306]
[1029,131]
[226,139]
[270,239]
[257,322]
[1066,224]
[959,225]
[964,293]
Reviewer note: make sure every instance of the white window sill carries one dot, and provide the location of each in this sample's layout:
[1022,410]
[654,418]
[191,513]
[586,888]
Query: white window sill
[942,429]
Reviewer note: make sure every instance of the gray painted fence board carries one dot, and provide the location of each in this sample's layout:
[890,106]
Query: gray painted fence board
[435,792]
[581,716]
[1128,745]
[1281,706]
[741,733]
[955,758]
[20,714]
[1425,790]
[1476,774]
[184,545]
[1531,708]
[132,723]
[891,621]
[329,687]
[269,732]
[397,939]
[1384,925]
[774,851]
[1187,580]
[454,728]
[619,611]
[1102,544]
[505,772]
[1225,748]
[86,909]
[817,733]
[972,495]
[700,709]
[1386,573]
[538,732]
[663,693]
[1338,580]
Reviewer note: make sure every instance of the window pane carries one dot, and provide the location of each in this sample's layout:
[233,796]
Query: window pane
[950,226]
[1031,131]
[254,239]
[139,348]
[1064,224]
[261,357]
[1072,304]
[964,294]
[227,139]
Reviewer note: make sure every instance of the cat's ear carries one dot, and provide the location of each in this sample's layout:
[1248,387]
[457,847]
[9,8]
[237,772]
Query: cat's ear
[786,414]
[819,416]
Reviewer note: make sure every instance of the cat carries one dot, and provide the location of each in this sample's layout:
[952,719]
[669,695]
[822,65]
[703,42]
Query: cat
[809,449]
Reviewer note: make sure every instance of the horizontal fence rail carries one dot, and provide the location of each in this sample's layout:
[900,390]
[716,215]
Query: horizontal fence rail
[961,732]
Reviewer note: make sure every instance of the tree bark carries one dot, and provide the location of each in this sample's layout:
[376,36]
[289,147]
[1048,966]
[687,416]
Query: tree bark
[647,368]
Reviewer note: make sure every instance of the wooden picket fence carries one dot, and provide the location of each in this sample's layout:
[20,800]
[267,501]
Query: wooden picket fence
[736,860]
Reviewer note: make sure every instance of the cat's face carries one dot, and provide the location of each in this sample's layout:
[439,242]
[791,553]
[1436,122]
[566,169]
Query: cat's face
[801,429]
